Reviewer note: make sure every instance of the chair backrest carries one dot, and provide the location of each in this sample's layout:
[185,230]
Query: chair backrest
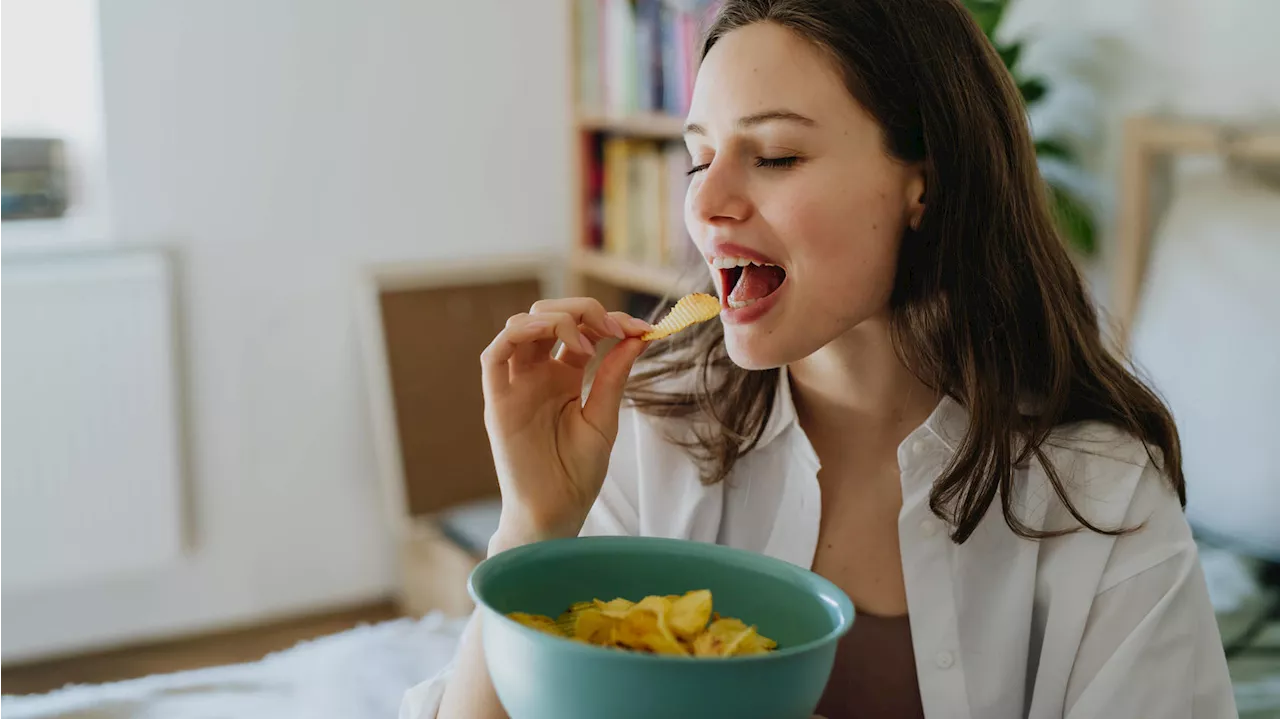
[425,326]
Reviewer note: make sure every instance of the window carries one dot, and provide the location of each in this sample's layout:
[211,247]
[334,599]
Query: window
[51,64]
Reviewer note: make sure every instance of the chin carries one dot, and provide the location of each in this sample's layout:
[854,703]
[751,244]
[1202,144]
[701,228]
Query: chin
[751,350]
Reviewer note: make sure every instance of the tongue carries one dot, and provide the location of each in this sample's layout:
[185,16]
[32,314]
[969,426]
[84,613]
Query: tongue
[757,281]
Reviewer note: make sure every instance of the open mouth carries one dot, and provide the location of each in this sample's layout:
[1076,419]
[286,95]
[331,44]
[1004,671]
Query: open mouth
[743,282]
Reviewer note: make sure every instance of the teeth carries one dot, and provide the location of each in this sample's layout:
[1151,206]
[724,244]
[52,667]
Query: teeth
[725,263]
[739,304]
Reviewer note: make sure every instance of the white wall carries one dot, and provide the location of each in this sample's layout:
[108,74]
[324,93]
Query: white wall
[278,146]
[1109,59]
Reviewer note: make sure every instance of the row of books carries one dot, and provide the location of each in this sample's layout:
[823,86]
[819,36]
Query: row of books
[635,200]
[638,55]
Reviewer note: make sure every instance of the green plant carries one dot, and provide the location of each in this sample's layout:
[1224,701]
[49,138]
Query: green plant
[1074,216]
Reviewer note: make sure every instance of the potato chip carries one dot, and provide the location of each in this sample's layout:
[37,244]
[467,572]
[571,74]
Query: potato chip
[690,613]
[645,627]
[616,608]
[708,645]
[734,646]
[537,621]
[673,624]
[690,310]
[587,624]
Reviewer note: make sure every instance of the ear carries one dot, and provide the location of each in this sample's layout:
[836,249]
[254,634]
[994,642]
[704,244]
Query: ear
[915,195]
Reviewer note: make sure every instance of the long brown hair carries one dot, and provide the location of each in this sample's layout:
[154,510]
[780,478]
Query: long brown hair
[987,306]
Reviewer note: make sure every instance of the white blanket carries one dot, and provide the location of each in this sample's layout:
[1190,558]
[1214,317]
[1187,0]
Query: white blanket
[358,674]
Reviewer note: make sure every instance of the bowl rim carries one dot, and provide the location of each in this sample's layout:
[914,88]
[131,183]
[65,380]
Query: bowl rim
[828,593]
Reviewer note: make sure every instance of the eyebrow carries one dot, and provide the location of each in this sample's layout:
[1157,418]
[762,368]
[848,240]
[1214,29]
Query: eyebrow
[755,119]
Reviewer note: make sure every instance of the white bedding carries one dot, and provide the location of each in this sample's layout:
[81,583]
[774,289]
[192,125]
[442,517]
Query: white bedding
[358,674]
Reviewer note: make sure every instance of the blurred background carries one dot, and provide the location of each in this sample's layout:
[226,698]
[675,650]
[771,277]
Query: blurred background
[251,251]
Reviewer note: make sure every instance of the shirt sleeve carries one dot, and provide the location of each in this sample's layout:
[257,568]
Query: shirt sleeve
[615,512]
[1151,645]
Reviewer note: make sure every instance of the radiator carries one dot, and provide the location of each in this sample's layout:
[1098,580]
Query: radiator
[91,457]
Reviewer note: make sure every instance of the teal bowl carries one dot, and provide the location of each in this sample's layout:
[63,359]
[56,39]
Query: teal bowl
[539,676]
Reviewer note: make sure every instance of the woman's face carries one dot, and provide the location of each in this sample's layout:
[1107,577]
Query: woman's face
[791,174]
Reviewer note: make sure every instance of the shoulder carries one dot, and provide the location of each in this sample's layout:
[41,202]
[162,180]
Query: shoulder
[1117,482]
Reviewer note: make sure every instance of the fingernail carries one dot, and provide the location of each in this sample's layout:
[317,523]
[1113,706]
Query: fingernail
[586,345]
[614,327]
[638,325]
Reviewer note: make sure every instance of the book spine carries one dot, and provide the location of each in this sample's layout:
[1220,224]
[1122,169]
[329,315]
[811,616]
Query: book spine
[588,41]
[616,191]
[593,187]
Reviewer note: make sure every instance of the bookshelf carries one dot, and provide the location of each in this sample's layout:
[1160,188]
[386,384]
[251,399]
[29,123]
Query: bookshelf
[631,276]
[650,125]
[632,64]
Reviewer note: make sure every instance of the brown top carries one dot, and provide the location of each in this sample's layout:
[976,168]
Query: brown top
[874,673]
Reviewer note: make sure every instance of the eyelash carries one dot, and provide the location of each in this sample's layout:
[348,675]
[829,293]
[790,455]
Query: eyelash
[778,162]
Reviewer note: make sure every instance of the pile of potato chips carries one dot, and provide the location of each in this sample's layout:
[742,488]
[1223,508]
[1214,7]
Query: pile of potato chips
[673,625]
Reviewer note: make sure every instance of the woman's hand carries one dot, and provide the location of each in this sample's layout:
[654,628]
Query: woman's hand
[550,448]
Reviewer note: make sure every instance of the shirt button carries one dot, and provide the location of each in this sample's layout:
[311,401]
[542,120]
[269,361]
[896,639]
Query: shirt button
[944,660]
[929,527]
[917,447]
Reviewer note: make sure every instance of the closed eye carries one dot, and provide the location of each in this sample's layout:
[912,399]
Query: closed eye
[782,162]
[777,161]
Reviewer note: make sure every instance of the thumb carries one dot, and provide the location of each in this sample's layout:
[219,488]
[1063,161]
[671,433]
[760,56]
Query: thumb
[602,405]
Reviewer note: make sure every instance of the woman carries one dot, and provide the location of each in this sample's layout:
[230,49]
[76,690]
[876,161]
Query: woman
[906,391]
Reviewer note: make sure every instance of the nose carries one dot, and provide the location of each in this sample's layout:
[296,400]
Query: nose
[719,195]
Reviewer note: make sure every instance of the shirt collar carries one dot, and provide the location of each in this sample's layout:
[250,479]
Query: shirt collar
[948,422]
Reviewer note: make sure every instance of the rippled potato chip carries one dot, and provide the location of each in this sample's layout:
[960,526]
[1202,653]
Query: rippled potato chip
[689,310]
[675,625]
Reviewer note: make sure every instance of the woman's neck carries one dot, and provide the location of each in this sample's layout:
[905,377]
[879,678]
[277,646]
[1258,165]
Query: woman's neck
[856,386]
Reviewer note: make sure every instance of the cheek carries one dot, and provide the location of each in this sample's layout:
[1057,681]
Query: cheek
[845,243]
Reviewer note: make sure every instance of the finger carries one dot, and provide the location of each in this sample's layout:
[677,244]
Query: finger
[632,326]
[564,329]
[602,405]
[578,360]
[585,311]
[518,333]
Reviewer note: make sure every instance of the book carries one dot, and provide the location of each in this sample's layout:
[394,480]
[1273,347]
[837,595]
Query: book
[616,194]
[634,197]
[636,56]
[593,189]
[588,24]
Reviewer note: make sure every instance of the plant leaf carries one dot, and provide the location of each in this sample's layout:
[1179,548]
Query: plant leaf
[1074,220]
[1055,149]
[987,13]
[1009,54]
[1032,90]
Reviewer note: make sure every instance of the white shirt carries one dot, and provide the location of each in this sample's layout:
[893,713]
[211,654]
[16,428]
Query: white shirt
[1082,625]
